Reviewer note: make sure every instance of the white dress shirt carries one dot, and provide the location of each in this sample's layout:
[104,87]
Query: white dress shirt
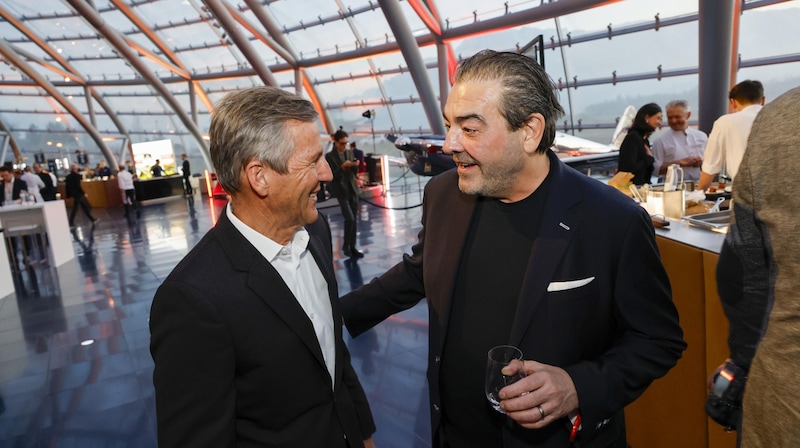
[728,141]
[125,180]
[34,184]
[672,146]
[299,270]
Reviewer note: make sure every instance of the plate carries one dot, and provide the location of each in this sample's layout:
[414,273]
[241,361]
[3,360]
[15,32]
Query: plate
[718,194]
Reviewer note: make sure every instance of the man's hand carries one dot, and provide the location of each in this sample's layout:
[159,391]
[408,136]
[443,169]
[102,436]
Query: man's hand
[369,443]
[546,390]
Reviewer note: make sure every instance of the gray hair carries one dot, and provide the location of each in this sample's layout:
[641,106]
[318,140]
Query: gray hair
[527,89]
[250,125]
[679,103]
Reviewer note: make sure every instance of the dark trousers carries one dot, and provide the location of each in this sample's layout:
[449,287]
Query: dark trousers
[83,203]
[348,203]
[187,186]
[130,200]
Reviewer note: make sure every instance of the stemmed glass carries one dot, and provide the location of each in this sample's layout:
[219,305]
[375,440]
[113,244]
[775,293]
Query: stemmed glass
[500,357]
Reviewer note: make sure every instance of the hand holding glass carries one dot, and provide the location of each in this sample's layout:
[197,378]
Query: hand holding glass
[500,357]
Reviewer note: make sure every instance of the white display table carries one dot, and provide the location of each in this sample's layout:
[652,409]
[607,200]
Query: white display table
[6,281]
[52,217]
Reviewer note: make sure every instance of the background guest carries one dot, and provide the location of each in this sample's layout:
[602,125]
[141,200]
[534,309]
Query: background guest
[635,155]
[680,144]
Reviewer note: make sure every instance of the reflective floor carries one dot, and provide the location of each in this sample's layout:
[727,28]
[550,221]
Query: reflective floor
[59,390]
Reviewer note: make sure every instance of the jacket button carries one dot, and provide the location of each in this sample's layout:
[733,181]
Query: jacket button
[437,359]
[436,408]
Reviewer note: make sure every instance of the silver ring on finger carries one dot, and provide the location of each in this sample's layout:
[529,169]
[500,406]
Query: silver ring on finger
[541,411]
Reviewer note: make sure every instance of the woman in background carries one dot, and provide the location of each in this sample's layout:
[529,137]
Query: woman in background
[634,154]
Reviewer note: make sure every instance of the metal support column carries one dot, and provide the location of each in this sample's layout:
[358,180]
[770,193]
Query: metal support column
[408,46]
[444,73]
[715,34]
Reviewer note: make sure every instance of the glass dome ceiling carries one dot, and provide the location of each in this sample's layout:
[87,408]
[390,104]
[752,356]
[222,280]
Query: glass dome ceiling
[97,75]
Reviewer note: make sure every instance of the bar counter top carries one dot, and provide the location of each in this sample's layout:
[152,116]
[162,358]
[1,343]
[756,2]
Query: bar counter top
[682,232]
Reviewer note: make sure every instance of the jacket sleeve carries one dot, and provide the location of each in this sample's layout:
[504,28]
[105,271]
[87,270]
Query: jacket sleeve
[399,289]
[194,370]
[743,281]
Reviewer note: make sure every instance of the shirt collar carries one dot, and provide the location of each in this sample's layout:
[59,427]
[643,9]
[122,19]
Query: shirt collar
[268,247]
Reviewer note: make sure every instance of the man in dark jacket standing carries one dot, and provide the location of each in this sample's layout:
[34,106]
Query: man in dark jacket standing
[72,185]
[186,171]
[345,188]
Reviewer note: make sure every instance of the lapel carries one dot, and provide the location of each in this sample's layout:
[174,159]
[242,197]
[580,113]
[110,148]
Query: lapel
[265,282]
[451,215]
[550,246]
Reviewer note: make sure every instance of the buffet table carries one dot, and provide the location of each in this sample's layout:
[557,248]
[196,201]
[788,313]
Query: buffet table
[159,187]
[6,280]
[671,412]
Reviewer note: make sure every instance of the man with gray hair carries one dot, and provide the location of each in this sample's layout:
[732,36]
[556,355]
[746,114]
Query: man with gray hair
[680,144]
[246,330]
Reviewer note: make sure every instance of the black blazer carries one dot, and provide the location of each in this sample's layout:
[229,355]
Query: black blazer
[237,362]
[613,335]
[72,185]
[16,190]
[344,179]
[633,157]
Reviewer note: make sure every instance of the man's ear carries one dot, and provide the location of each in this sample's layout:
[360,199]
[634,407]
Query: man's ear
[533,129]
[257,176]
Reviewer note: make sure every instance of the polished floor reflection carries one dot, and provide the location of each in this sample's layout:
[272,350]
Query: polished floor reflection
[75,367]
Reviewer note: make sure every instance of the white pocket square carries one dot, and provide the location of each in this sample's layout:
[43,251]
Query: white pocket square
[572,284]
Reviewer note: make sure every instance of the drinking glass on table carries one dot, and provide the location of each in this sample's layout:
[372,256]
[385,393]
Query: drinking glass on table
[500,357]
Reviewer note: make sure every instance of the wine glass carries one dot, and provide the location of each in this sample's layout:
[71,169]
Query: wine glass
[500,357]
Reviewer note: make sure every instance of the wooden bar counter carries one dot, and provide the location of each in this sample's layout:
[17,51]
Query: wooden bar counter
[671,412]
[100,193]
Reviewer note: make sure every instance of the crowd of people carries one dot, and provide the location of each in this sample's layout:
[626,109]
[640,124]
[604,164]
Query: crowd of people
[247,330]
[703,158]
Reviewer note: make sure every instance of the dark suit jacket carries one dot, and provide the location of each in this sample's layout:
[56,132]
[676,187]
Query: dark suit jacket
[614,335]
[237,362]
[633,157]
[186,169]
[344,180]
[72,185]
[16,190]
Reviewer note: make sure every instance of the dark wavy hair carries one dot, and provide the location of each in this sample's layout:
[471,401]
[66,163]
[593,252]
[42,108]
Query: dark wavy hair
[527,89]
[639,123]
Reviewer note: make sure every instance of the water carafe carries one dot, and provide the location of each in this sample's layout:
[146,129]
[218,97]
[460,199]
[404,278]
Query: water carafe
[674,179]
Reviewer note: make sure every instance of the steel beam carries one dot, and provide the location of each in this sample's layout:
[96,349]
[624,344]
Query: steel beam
[221,13]
[13,58]
[118,42]
[9,140]
[408,46]
[71,72]
[715,27]
[268,22]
